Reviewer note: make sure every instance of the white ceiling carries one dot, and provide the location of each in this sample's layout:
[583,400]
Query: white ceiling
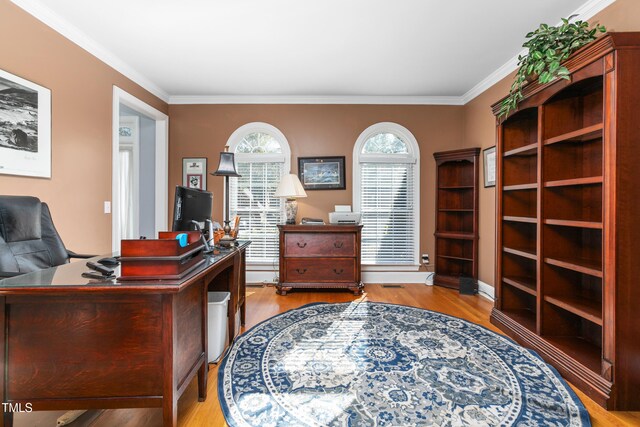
[433,49]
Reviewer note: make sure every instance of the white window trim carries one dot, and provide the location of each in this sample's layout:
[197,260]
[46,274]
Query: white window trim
[285,157]
[244,130]
[412,157]
[390,267]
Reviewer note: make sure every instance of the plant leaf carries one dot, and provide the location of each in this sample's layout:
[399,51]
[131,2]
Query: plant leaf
[547,47]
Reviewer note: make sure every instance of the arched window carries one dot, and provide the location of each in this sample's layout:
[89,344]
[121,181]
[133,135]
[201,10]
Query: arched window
[386,177]
[262,156]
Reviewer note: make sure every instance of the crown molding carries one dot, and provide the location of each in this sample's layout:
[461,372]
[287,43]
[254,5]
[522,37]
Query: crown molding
[302,99]
[493,78]
[584,12]
[591,8]
[41,12]
[47,16]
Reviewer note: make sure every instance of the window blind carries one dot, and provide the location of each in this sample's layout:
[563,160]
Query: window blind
[387,202]
[251,197]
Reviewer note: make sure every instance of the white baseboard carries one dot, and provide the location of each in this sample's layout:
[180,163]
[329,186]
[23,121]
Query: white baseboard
[261,276]
[394,276]
[405,277]
[486,290]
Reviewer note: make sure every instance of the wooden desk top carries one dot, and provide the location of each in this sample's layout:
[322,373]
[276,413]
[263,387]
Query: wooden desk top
[68,278]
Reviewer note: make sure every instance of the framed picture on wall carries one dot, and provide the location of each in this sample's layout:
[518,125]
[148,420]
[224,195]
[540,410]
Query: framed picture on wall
[25,130]
[128,130]
[489,157]
[322,173]
[194,172]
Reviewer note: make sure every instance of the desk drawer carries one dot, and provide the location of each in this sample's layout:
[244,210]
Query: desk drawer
[320,270]
[320,244]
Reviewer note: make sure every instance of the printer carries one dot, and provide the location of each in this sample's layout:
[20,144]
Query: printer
[343,215]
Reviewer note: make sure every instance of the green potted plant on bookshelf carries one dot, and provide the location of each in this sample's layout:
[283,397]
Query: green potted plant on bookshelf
[548,47]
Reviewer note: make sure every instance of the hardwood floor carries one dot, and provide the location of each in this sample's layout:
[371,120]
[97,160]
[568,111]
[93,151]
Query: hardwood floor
[263,303]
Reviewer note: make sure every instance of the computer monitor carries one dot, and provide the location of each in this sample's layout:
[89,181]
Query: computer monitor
[191,204]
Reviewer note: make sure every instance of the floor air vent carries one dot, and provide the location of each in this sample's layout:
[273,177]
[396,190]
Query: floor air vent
[392,286]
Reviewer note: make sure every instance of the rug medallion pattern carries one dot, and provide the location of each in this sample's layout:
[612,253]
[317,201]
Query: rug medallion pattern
[373,364]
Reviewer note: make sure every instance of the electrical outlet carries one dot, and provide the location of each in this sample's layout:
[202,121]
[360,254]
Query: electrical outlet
[425,259]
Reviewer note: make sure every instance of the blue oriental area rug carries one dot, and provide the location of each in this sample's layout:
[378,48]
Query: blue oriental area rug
[372,364]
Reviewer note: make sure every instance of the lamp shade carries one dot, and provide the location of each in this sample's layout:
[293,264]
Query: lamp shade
[290,187]
[227,165]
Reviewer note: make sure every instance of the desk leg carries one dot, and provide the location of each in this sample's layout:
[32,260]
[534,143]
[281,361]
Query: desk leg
[7,417]
[243,287]
[169,341]
[231,318]
[204,369]
[233,285]
[202,382]
[243,313]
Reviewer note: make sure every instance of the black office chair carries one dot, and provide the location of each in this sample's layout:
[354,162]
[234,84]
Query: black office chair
[28,239]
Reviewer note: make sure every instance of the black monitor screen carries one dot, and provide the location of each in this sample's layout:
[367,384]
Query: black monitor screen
[191,204]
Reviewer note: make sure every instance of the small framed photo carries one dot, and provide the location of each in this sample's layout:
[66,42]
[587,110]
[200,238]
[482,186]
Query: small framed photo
[194,172]
[128,129]
[194,181]
[489,156]
[25,127]
[322,173]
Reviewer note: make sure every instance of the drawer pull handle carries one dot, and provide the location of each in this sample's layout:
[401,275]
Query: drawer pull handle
[304,270]
[335,270]
[302,245]
[338,244]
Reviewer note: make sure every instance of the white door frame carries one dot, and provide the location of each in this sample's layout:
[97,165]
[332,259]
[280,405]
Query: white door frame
[161,166]
[134,146]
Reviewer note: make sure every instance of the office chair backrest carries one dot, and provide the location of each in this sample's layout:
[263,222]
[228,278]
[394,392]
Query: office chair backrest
[28,238]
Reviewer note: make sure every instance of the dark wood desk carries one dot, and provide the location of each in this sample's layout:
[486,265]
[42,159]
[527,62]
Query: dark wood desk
[75,343]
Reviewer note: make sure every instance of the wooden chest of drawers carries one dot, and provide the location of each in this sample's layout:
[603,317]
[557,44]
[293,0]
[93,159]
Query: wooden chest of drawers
[319,256]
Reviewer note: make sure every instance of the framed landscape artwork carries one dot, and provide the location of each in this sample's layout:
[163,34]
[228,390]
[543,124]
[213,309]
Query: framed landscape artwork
[194,172]
[25,127]
[322,173]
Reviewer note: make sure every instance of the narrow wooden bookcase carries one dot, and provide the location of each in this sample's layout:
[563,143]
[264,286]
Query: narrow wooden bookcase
[456,216]
[568,221]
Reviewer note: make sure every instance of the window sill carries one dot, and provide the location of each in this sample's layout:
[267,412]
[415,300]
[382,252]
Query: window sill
[268,266]
[390,267]
[262,266]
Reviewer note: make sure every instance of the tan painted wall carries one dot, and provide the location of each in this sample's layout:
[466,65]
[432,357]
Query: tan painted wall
[81,96]
[315,130]
[479,129]
[81,88]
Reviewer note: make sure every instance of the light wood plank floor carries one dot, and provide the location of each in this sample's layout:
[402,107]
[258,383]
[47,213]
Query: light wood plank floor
[263,303]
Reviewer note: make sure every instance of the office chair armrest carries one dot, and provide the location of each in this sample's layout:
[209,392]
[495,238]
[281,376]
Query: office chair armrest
[7,274]
[75,255]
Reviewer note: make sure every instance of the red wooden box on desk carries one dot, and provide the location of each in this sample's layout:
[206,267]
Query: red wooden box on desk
[162,258]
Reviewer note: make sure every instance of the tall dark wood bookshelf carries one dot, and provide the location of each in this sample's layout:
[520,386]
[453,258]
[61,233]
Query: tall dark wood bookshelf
[568,221]
[456,233]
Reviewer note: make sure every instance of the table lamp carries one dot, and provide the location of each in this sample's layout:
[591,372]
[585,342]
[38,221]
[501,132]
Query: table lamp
[290,188]
[226,168]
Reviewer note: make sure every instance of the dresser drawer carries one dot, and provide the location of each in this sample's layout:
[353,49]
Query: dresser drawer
[321,244]
[320,270]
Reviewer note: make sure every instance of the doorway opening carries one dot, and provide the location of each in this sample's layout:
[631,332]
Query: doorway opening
[140,169]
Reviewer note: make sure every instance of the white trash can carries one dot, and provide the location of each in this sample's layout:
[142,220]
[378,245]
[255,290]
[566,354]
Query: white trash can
[218,331]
